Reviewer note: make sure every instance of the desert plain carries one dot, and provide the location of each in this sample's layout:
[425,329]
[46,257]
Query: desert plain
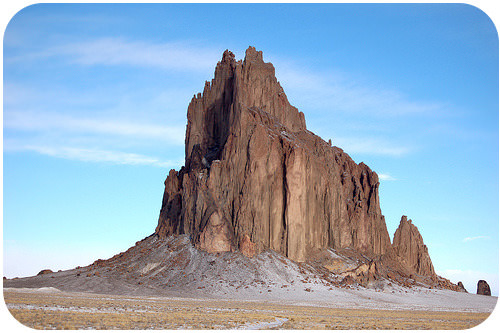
[49,308]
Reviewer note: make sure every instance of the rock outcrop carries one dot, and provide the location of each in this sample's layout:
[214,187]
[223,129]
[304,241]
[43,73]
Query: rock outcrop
[483,288]
[45,271]
[255,178]
[461,286]
[410,248]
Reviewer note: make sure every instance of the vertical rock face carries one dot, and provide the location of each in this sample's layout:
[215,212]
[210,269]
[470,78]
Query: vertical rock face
[256,178]
[483,288]
[410,248]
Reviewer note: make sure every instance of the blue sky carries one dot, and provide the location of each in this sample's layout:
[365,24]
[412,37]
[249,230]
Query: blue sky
[95,100]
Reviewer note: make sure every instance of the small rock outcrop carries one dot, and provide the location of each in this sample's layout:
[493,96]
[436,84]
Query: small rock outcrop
[255,178]
[483,288]
[461,286]
[410,248]
[45,271]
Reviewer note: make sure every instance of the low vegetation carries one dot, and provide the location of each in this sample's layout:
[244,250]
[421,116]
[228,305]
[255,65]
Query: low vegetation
[62,310]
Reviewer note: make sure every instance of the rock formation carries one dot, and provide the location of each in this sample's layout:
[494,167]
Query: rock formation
[461,286]
[261,202]
[409,246]
[255,178]
[483,288]
[45,271]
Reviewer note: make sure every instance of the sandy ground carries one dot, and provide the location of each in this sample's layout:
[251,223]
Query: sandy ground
[52,309]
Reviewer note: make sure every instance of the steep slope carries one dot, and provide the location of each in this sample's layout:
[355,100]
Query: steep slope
[255,178]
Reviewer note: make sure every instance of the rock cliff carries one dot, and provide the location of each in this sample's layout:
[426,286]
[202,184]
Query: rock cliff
[409,246]
[255,178]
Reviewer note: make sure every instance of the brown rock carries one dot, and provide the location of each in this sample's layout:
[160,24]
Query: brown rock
[45,271]
[348,280]
[483,288]
[461,286]
[247,247]
[253,170]
[410,248]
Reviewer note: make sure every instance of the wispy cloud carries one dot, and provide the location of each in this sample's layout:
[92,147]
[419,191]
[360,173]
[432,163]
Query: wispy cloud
[370,146]
[111,51]
[343,94]
[49,122]
[385,115]
[469,239]
[385,177]
[99,156]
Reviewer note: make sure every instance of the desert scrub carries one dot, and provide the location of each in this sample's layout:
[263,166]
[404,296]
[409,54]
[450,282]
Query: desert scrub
[90,311]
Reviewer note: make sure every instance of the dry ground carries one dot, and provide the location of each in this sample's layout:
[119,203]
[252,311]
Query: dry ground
[66,310]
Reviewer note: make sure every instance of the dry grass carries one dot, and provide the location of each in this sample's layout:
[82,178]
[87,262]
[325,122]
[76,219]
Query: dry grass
[83,311]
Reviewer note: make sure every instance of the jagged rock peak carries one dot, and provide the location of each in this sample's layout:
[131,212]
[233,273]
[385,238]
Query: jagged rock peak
[256,179]
[252,55]
[409,246]
[227,57]
[236,86]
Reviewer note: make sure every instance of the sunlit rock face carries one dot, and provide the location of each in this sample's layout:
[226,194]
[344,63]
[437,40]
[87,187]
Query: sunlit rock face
[255,178]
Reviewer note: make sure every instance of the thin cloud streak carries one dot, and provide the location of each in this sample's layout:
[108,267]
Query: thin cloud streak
[99,156]
[385,177]
[111,51]
[370,146]
[47,122]
[344,95]
[469,239]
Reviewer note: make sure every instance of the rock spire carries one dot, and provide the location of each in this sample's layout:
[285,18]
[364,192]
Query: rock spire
[409,246]
[483,288]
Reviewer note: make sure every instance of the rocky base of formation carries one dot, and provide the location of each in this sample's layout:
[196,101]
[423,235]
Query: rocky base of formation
[172,266]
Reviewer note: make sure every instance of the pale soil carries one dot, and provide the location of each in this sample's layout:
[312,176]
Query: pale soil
[52,309]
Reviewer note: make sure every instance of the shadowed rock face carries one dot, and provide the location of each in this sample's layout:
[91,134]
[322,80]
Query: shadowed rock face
[483,288]
[410,248]
[256,178]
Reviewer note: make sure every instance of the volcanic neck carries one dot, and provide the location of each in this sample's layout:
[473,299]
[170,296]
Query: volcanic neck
[255,178]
